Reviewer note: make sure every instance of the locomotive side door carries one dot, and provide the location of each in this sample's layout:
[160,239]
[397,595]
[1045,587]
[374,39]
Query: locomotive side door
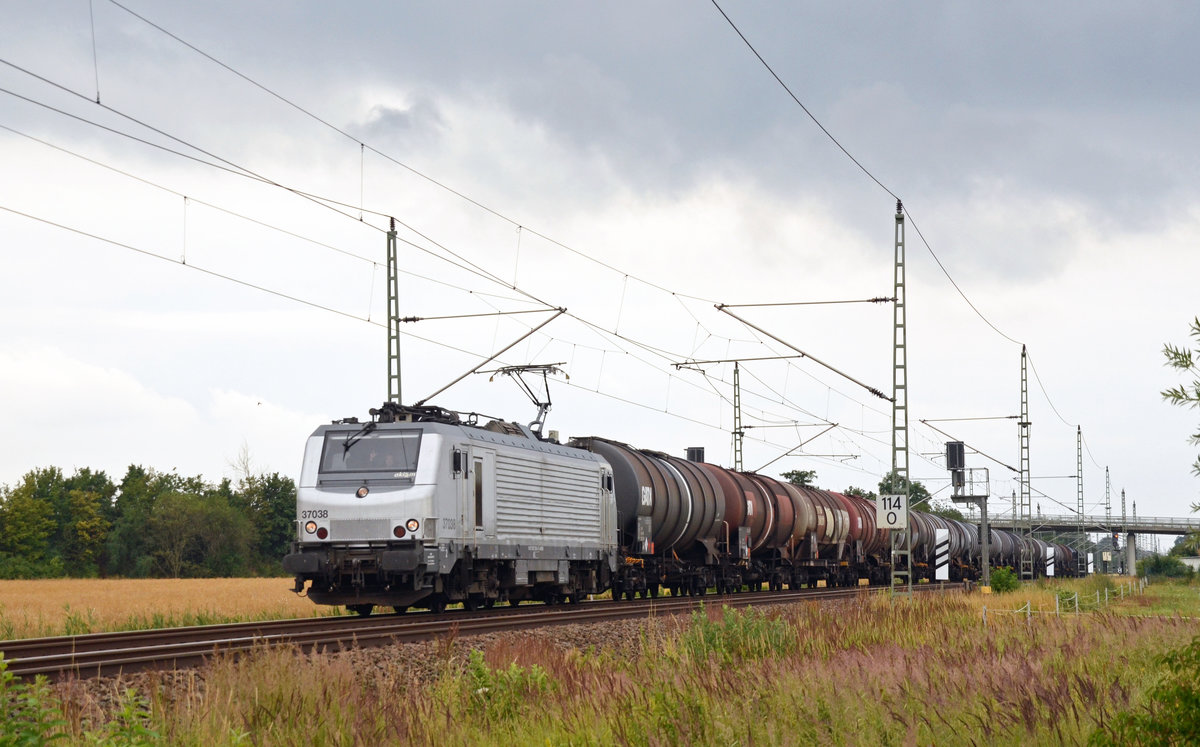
[479,508]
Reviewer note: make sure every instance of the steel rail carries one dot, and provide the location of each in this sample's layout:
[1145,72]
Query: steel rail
[109,654]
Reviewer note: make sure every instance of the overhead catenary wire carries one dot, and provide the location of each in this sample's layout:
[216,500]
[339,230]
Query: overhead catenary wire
[229,165]
[882,186]
[192,266]
[872,390]
[285,231]
[981,453]
[192,199]
[639,280]
[799,103]
[95,56]
[237,170]
[441,185]
[321,307]
[363,145]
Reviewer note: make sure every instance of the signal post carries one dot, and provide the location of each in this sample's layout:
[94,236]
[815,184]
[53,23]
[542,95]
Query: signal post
[971,486]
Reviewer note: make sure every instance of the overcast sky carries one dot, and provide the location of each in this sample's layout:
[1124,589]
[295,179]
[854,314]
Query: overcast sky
[634,163]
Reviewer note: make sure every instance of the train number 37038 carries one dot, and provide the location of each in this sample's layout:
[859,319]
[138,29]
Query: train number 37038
[314,513]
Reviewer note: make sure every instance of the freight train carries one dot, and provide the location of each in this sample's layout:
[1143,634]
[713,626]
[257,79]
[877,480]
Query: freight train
[425,507]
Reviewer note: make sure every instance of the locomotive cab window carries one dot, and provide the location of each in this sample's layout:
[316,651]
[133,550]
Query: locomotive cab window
[390,453]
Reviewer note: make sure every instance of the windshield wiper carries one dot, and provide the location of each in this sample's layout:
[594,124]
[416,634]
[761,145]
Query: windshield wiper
[357,436]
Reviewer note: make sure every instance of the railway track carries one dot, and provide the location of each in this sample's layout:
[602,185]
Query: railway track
[109,654]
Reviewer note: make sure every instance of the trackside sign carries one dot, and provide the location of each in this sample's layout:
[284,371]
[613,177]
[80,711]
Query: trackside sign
[891,511]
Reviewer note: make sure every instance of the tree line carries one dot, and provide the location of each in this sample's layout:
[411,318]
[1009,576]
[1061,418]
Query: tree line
[150,524]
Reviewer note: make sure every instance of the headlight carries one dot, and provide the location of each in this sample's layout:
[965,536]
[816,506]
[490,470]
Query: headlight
[362,492]
[413,525]
[310,527]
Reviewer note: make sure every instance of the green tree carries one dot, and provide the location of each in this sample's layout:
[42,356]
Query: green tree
[128,551]
[893,484]
[1186,395]
[943,509]
[861,493]
[1163,565]
[1187,361]
[1188,544]
[85,533]
[71,509]
[269,501]
[173,529]
[199,533]
[26,525]
[226,536]
[82,503]
[803,478]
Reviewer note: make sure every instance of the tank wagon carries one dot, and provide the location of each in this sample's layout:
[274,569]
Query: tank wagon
[422,507]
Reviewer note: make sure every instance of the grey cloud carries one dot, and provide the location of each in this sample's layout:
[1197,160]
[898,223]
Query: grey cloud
[419,124]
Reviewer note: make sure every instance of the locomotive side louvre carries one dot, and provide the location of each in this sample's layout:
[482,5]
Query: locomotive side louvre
[535,495]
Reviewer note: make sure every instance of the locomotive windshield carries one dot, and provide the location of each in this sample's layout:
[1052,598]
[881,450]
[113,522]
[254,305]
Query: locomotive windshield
[373,451]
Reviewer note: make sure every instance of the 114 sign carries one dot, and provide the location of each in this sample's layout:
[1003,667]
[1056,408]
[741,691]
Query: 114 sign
[891,511]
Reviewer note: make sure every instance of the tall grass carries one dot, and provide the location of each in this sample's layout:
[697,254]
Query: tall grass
[871,671]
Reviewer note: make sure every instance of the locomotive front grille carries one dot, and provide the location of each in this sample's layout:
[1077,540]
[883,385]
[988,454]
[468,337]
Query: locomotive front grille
[341,530]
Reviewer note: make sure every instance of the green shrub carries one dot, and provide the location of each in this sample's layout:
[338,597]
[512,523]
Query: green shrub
[1163,565]
[738,636]
[504,693]
[1004,580]
[1171,714]
[30,717]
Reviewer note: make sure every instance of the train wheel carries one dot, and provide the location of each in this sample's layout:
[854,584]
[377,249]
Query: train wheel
[401,609]
[362,610]
[470,604]
[489,603]
[438,606]
[513,602]
[654,591]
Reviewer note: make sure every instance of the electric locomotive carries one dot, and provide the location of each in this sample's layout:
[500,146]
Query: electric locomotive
[419,507]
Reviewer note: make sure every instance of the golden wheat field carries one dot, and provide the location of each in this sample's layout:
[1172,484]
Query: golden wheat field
[45,607]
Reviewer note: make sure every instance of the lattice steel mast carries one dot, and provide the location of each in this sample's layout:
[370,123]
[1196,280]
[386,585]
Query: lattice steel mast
[738,432]
[1025,512]
[1107,500]
[901,545]
[1079,490]
[393,317]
